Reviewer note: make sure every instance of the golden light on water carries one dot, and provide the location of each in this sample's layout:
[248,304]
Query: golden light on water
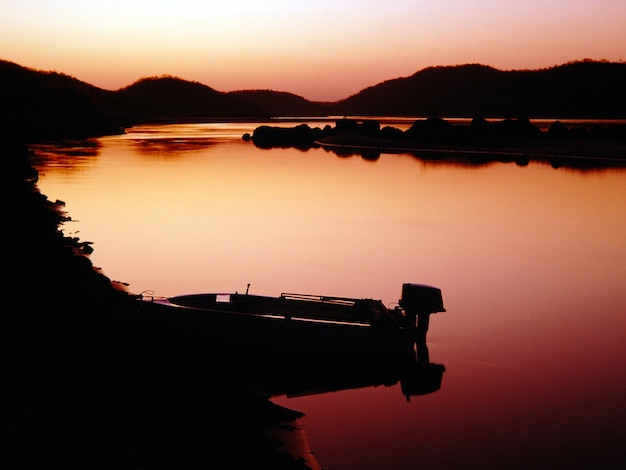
[531,262]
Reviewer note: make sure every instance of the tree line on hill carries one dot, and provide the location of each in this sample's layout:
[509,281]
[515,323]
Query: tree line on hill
[584,89]
[39,104]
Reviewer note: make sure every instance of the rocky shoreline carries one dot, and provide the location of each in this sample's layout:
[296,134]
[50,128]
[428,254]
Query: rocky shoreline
[481,141]
[87,383]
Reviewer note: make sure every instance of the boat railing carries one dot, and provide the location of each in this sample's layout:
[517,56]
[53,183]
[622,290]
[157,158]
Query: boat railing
[341,301]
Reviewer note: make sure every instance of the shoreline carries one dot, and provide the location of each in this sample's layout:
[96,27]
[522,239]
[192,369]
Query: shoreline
[87,382]
[479,141]
[584,154]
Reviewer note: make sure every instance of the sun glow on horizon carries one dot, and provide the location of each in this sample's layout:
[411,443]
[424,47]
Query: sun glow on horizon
[320,50]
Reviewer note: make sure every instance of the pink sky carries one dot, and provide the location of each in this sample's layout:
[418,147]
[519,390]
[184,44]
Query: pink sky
[322,50]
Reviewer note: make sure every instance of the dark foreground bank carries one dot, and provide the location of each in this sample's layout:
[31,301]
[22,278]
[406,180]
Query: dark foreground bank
[86,383]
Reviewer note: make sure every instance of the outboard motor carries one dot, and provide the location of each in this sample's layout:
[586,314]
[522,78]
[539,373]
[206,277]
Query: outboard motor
[419,301]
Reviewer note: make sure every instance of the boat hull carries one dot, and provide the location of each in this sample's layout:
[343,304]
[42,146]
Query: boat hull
[225,328]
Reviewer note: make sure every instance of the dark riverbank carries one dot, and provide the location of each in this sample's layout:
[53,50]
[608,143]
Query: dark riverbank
[88,383]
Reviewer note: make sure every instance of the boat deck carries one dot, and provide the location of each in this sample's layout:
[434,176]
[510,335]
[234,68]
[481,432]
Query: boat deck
[305,306]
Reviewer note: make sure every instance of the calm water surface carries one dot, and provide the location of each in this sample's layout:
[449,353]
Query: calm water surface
[531,261]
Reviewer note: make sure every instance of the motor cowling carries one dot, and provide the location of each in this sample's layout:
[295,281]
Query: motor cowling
[420,299]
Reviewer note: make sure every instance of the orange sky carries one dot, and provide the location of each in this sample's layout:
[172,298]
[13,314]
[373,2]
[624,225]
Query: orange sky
[319,49]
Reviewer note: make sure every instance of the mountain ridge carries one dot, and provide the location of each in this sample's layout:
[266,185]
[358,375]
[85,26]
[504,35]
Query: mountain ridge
[52,103]
[582,89]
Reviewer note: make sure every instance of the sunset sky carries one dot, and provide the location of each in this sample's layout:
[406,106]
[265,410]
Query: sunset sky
[320,49]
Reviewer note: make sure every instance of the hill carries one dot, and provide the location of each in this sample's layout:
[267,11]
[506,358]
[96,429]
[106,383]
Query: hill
[169,98]
[40,104]
[280,103]
[585,89]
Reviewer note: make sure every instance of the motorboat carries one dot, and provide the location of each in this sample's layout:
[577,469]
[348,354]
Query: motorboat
[299,322]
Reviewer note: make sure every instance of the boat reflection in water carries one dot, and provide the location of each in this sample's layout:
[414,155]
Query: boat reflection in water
[269,375]
[300,344]
[300,375]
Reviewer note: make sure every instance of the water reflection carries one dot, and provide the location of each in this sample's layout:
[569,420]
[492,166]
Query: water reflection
[177,366]
[526,252]
[67,155]
[477,142]
[171,146]
[176,139]
[301,375]
[613,160]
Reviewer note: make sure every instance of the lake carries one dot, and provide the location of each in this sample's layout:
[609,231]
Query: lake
[531,261]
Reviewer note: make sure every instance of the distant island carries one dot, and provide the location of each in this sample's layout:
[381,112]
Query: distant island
[585,145]
[46,105]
